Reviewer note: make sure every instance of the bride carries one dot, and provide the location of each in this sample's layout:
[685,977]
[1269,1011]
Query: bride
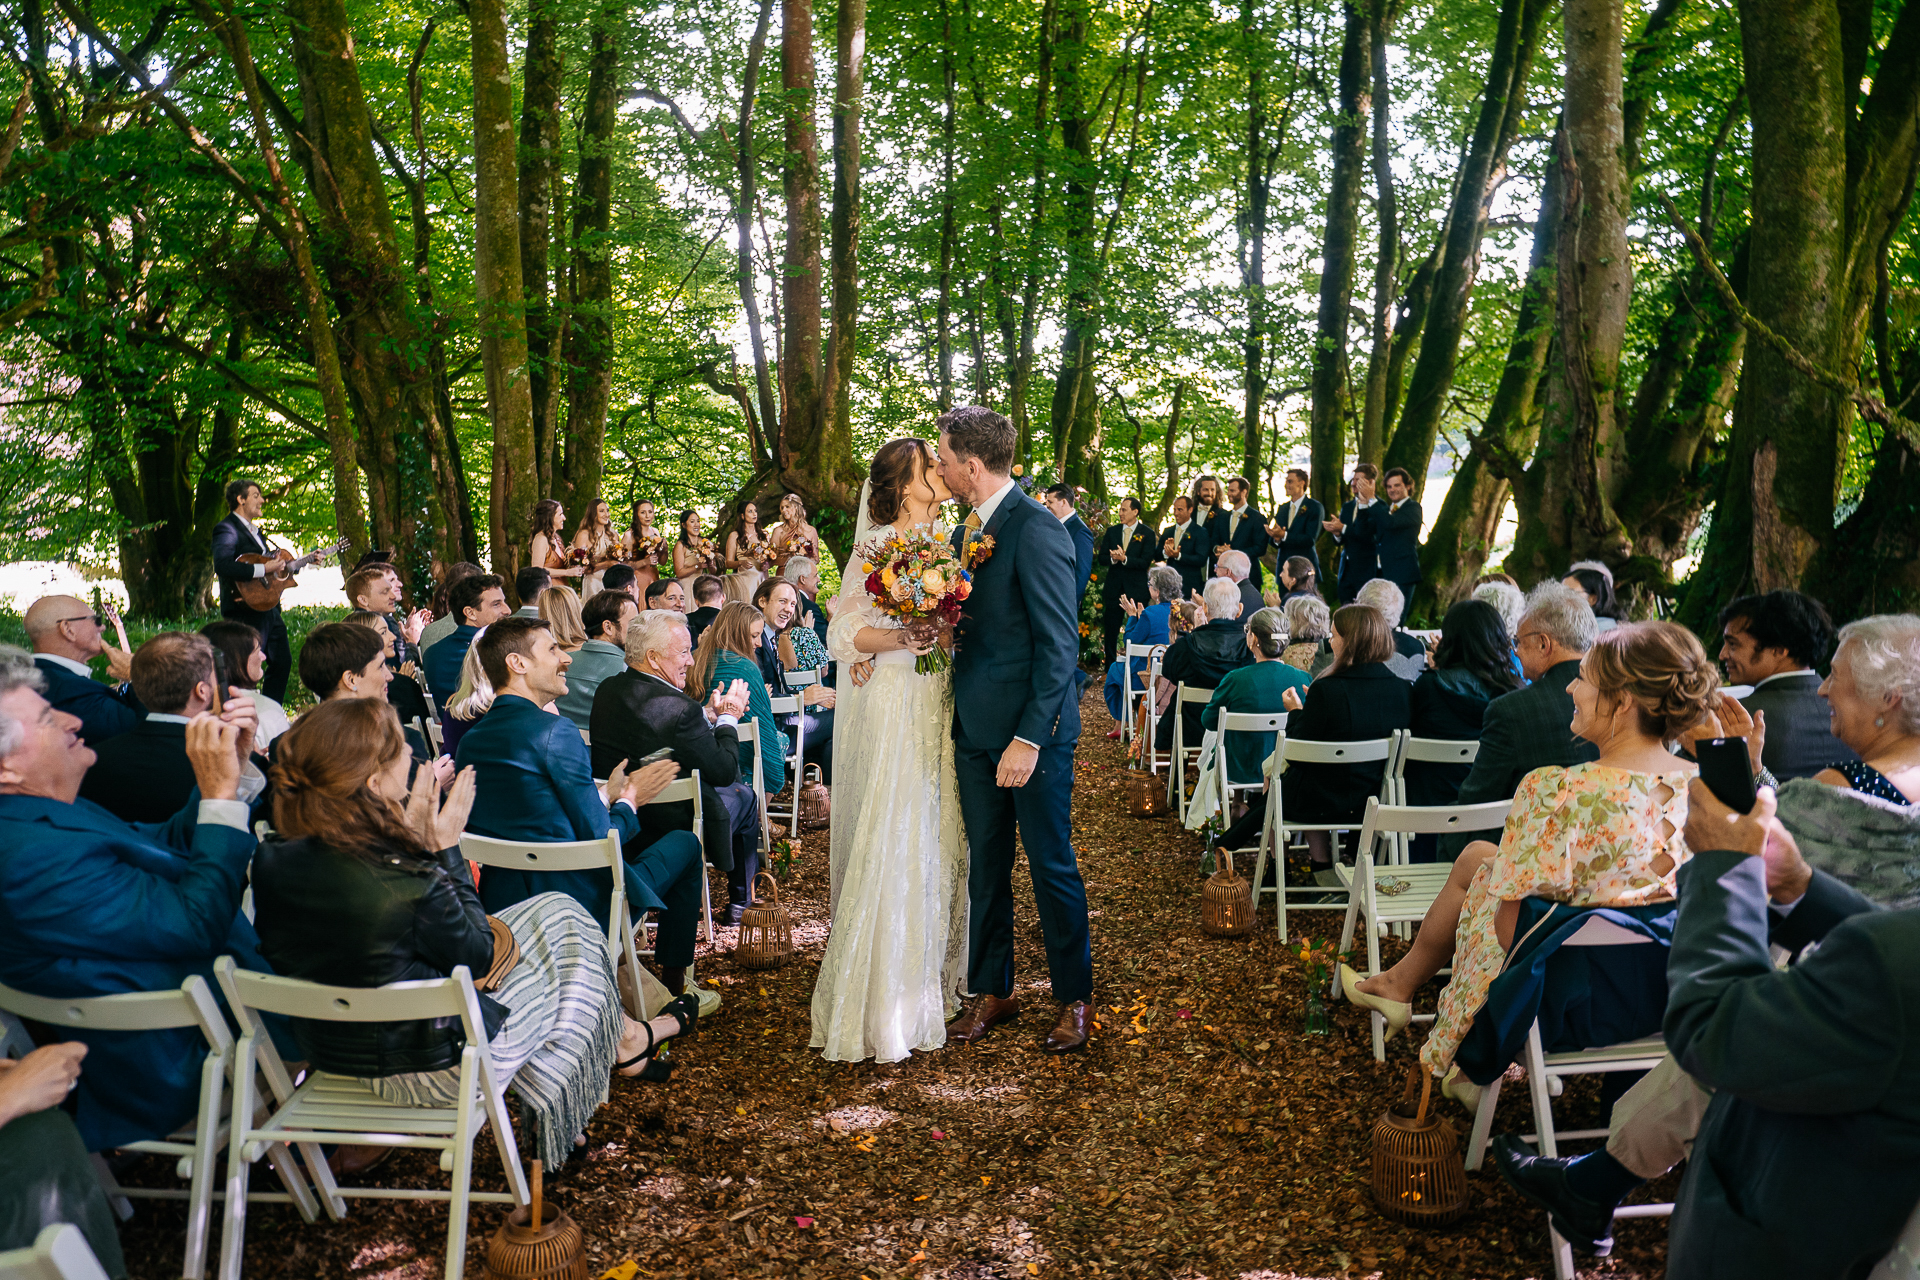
[896,958]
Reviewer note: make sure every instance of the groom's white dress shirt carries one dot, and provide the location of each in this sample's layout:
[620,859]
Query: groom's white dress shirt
[985,511]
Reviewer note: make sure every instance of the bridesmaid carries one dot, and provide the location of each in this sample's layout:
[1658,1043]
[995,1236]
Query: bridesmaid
[690,560]
[646,566]
[744,574]
[793,536]
[548,541]
[596,537]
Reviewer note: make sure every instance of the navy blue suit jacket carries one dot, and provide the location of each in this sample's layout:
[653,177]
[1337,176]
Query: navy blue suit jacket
[231,540]
[93,906]
[1250,538]
[1397,536]
[1359,558]
[1082,550]
[1302,530]
[105,711]
[536,783]
[443,662]
[1190,554]
[1018,641]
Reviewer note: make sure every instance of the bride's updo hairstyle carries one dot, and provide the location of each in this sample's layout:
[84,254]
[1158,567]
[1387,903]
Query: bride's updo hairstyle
[1662,668]
[898,464]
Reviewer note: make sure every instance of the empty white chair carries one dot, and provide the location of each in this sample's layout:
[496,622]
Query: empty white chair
[1152,754]
[1277,830]
[796,758]
[1216,784]
[59,1252]
[327,1108]
[750,738]
[1130,689]
[1422,883]
[196,1150]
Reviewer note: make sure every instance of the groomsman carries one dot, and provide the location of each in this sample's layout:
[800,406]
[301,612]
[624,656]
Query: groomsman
[1296,525]
[1240,527]
[1059,500]
[1353,531]
[1206,505]
[1184,545]
[1127,550]
[1396,533]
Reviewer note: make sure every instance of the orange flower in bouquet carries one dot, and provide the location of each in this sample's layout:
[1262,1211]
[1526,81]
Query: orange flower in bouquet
[916,576]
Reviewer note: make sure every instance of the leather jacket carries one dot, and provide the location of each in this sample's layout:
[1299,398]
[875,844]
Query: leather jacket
[350,921]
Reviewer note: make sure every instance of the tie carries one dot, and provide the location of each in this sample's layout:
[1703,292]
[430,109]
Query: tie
[972,524]
[1233,525]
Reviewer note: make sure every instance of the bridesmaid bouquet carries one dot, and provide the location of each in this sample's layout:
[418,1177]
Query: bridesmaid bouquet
[651,549]
[917,577]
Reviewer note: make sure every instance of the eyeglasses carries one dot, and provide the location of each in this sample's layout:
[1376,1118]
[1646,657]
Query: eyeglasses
[1530,635]
[94,618]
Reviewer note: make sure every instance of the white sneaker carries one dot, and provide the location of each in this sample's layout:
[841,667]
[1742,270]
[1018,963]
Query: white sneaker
[710,1001]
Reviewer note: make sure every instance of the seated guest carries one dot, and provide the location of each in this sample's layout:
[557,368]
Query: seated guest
[730,652]
[375,587]
[667,594]
[1258,689]
[778,602]
[1595,581]
[559,608]
[1409,652]
[1309,634]
[145,774]
[527,586]
[96,906]
[444,619]
[1527,729]
[45,1176]
[646,708]
[476,600]
[471,700]
[1203,657]
[1298,578]
[1235,567]
[1773,642]
[348,660]
[1598,834]
[605,620]
[809,651]
[246,662]
[1472,666]
[621,578]
[535,782]
[1505,595]
[709,593]
[804,573]
[363,884]
[1146,624]
[65,634]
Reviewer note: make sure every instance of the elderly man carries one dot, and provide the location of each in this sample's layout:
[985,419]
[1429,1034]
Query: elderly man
[1527,729]
[534,782]
[607,616]
[146,774]
[478,600]
[1203,656]
[646,709]
[96,906]
[1385,598]
[804,573]
[668,594]
[66,635]
[1234,567]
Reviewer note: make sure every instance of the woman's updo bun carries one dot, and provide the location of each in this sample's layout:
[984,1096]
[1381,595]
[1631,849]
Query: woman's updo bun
[1268,627]
[1662,668]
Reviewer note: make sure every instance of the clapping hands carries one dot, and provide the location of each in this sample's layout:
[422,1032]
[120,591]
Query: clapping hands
[730,702]
[1730,721]
[640,787]
[439,824]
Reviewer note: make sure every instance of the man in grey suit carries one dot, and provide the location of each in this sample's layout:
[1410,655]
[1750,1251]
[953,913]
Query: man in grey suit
[1773,642]
[1806,1163]
[1532,727]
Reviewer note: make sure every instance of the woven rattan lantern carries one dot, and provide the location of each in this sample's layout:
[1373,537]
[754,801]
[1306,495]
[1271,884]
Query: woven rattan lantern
[1418,1178]
[1226,900]
[1146,794]
[766,930]
[534,1245]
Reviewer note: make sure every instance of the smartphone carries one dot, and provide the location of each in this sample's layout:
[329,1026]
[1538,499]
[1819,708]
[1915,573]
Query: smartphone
[655,757]
[219,681]
[1727,770]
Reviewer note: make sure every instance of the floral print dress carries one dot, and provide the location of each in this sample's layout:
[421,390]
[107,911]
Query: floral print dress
[1590,836]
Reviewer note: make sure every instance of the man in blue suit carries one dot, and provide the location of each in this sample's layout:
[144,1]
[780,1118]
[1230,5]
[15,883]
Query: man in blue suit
[1016,719]
[1241,527]
[535,782]
[477,601]
[1396,534]
[1296,524]
[92,906]
[1353,531]
[65,634]
[1185,546]
[1059,499]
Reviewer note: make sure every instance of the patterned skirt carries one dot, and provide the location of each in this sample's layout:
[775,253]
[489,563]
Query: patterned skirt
[557,1047]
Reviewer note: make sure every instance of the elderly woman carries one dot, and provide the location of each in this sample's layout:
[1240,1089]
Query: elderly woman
[1202,657]
[1600,834]
[1146,624]
[1257,689]
[1309,626]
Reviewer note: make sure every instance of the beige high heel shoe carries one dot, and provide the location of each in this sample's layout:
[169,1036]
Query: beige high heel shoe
[1398,1013]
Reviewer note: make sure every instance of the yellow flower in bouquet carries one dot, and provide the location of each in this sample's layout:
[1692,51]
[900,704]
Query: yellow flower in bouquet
[917,575]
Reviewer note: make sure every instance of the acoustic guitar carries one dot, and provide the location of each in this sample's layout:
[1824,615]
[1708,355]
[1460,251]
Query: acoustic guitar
[262,594]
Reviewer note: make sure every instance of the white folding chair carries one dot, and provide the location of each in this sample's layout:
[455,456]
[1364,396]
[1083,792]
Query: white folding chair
[572,855]
[1237,722]
[1130,690]
[195,1149]
[796,761]
[750,736]
[1429,751]
[59,1252]
[1545,1071]
[326,1108]
[436,736]
[1276,832]
[1151,755]
[1182,753]
[1423,882]
[801,677]
[679,791]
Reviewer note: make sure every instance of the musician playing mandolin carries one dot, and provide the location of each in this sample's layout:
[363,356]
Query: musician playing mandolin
[243,559]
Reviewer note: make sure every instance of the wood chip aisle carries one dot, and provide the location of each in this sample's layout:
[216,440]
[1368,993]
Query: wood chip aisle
[1199,1136]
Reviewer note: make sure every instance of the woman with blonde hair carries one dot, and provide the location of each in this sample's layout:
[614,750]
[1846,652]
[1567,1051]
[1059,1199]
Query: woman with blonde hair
[471,700]
[560,609]
[596,537]
[1606,833]
[362,884]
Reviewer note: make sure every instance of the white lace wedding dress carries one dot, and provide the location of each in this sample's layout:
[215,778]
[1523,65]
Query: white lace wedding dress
[896,956]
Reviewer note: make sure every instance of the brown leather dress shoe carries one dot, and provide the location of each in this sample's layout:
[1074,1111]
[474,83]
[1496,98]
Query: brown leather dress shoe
[974,1024]
[1069,1035]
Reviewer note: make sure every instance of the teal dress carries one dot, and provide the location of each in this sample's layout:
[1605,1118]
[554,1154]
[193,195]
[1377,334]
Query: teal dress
[729,666]
[1258,688]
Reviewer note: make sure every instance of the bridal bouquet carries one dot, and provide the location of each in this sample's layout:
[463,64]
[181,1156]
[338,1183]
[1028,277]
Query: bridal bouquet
[916,576]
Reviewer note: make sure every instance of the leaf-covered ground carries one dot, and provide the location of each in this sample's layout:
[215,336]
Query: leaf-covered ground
[1215,1140]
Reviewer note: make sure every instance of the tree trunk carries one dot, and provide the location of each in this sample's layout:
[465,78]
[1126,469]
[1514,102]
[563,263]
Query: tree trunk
[1253,241]
[801,374]
[1073,391]
[746,277]
[589,334]
[1021,362]
[834,467]
[499,293]
[539,164]
[1332,403]
[943,315]
[1386,263]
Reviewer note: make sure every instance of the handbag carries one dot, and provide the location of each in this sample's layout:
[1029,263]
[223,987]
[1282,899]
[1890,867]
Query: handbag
[506,954]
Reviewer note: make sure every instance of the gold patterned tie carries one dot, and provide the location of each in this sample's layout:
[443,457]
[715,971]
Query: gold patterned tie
[971,525]
[973,522]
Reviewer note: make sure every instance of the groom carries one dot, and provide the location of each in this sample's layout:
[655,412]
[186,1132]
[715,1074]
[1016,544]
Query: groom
[1016,718]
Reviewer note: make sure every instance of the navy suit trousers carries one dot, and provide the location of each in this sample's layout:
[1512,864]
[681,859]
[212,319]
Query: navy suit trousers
[671,867]
[1043,811]
[743,819]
